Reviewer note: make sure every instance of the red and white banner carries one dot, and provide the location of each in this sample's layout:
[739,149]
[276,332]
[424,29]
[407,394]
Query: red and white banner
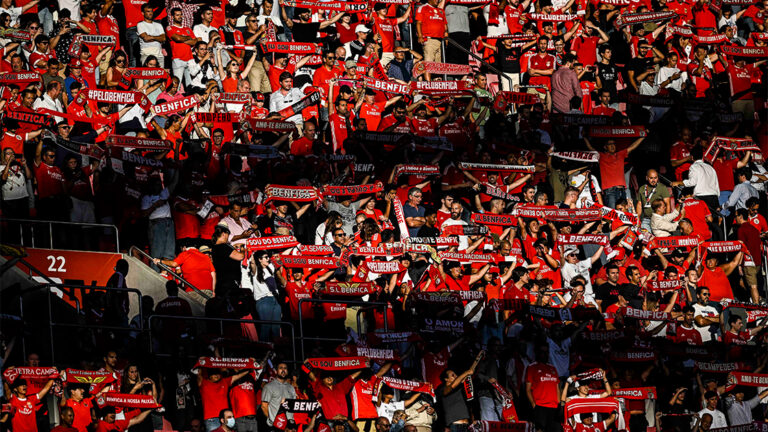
[640,314]
[519,98]
[19,77]
[226,363]
[371,353]
[664,285]
[441,87]
[553,17]
[434,241]
[637,18]
[383,267]
[408,385]
[97,380]
[137,142]
[353,189]
[397,206]
[739,51]
[337,6]
[291,48]
[290,193]
[633,356]
[560,215]
[707,40]
[314,262]
[729,246]
[387,86]
[465,257]
[217,117]
[747,379]
[498,426]
[276,242]
[713,367]
[114,96]
[635,393]
[338,363]
[143,73]
[175,106]
[441,68]
[617,131]
[494,219]
[127,400]
[673,242]
[235,98]
[526,169]
[355,289]
[315,249]
[271,125]
[619,216]
[581,239]
[29,372]
[579,156]
[420,170]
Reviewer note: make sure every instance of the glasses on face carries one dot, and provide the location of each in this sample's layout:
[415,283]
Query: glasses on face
[331,58]
[264,258]
[63,127]
[252,20]
[120,61]
[340,234]
[33,28]
[705,294]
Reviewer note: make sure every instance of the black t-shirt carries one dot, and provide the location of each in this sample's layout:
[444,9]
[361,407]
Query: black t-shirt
[631,293]
[305,32]
[227,269]
[640,65]
[426,231]
[507,59]
[608,293]
[608,74]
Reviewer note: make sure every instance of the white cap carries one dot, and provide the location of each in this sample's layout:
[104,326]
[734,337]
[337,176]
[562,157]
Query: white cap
[362,29]
[570,250]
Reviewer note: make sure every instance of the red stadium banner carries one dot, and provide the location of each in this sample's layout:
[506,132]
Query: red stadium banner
[494,219]
[434,241]
[747,379]
[309,100]
[673,242]
[217,117]
[397,207]
[739,51]
[291,48]
[465,257]
[354,289]
[314,262]
[420,170]
[719,367]
[226,363]
[290,193]
[141,143]
[408,385]
[441,87]
[271,125]
[143,73]
[235,98]
[114,97]
[383,267]
[421,68]
[19,77]
[635,356]
[640,314]
[638,18]
[475,166]
[387,86]
[553,17]
[519,98]
[635,393]
[582,239]
[560,215]
[662,285]
[127,400]
[581,120]
[315,249]
[498,426]
[353,190]
[467,230]
[371,353]
[94,378]
[16,34]
[617,131]
[29,372]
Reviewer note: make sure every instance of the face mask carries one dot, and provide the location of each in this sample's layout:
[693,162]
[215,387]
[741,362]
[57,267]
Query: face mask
[231,422]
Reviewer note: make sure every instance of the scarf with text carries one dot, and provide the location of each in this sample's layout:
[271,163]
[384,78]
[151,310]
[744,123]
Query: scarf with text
[466,230]
[526,169]
[664,285]
[498,426]
[731,144]
[29,372]
[338,363]
[582,239]
[309,100]
[30,117]
[337,6]
[226,363]
[746,379]
[315,249]
[494,219]
[352,289]
[290,193]
[440,68]
[579,156]
[740,51]
[371,353]
[217,117]
[277,242]
[97,380]
[77,118]
[143,73]
[420,170]
[633,356]
[673,242]
[90,150]
[498,193]
[127,400]
[434,241]
[729,246]
[114,97]
[381,267]
[614,215]
[754,312]
[387,86]
[617,131]
[558,215]
[397,207]
[590,375]
[644,17]
[466,257]
[16,35]
[353,189]
[137,142]
[408,385]
[235,98]
[175,106]
[581,120]
[718,367]
[640,314]
[19,77]
[270,125]
[291,48]
[441,87]
[553,17]
[313,262]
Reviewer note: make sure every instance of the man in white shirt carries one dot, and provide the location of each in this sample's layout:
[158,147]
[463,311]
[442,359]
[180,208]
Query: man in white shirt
[718,418]
[286,96]
[704,315]
[50,99]
[204,29]
[239,227]
[162,238]
[571,267]
[151,36]
[703,179]
[740,410]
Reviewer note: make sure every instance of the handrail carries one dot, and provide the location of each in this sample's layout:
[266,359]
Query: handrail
[491,67]
[345,302]
[170,270]
[237,320]
[50,229]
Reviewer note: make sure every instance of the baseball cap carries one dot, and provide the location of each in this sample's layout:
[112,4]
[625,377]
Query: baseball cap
[350,63]
[259,97]
[362,29]
[75,63]
[570,250]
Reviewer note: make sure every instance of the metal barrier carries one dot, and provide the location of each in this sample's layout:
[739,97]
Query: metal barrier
[52,323]
[222,321]
[302,338]
[169,270]
[31,223]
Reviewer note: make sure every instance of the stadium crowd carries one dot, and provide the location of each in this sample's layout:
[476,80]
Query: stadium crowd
[486,215]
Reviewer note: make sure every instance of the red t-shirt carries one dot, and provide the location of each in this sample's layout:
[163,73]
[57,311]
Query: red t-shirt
[725,169]
[603,111]
[702,81]
[539,62]
[93,30]
[544,381]
[372,114]
[108,26]
[424,127]
[740,80]
[386,28]
[23,419]
[196,267]
[718,284]
[362,399]
[691,336]
[433,21]
[214,396]
[322,78]
[242,398]
[11,140]
[187,224]
[433,365]
[334,401]
[390,120]
[612,169]
[297,291]
[180,50]
[697,211]
[36,57]
[302,147]
[82,412]
[118,425]
[680,150]
[50,180]
[586,49]
[274,75]
[339,130]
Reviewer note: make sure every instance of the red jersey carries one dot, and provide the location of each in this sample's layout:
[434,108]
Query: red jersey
[372,114]
[50,180]
[214,396]
[187,224]
[680,150]
[333,400]
[362,399]
[82,412]
[698,211]
[37,57]
[196,267]
[13,141]
[424,127]
[108,26]
[603,111]
[23,419]
[691,336]
[339,130]
[759,222]
[274,75]
[180,50]
[541,62]
[586,49]
[612,169]
[740,79]
[242,399]
[432,365]
[322,79]
[302,146]
[297,291]
[702,81]
[544,381]
[718,284]
[403,127]
[433,22]
[386,28]
[725,169]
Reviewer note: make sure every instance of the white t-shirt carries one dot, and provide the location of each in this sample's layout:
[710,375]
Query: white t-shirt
[202,31]
[581,268]
[576,181]
[718,418]
[706,311]
[164,211]
[388,409]
[151,29]
[260,289]
[15,186]
[15,13]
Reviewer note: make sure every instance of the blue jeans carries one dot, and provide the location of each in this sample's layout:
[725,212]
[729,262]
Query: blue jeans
[162,238]
[723,199]
[267,309]
[212,424]
[489,410]
[614,195]
[132,47]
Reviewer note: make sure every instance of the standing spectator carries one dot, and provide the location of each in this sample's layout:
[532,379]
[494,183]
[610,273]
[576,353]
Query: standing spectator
[213,392]
[565,85]
[647,194]
[455,412]
[612,166]
[226,261]
[542,388]
[151,37]
[431,29]
[275,392]
[413,211]
[457,26]
[196,268]
[261,278]
[155,205]
[182,40]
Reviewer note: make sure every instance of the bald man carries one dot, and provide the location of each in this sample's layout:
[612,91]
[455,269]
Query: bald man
[650,191]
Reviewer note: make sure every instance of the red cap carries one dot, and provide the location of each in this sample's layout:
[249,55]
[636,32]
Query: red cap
[259,97]
[76,63]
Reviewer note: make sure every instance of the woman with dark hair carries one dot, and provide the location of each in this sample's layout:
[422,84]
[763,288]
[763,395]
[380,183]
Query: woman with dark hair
[132,383]
[226,261]
[261,278]
[370,232]
[117,67]
[324,231]
[455,412]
